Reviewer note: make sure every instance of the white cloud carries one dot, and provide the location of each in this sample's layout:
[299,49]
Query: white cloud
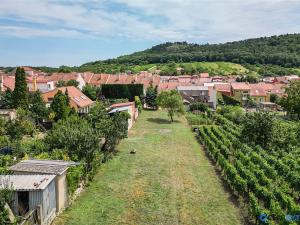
[191,20]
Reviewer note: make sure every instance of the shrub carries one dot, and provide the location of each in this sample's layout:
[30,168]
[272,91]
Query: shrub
[199,106]
[198,119]
[229,100]
[138,103]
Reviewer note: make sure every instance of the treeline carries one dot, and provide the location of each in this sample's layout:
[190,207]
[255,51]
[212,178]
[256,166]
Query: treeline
[280,50]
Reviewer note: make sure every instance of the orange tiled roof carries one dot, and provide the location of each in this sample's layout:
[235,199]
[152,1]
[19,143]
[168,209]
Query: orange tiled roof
[77,98]
[240,86]
[223,87]
[8,82]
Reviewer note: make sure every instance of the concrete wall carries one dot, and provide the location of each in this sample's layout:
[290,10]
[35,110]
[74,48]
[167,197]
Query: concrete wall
[61,191]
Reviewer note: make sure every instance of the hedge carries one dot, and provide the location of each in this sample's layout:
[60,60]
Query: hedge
[128,91]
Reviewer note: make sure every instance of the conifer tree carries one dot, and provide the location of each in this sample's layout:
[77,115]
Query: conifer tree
[20,93]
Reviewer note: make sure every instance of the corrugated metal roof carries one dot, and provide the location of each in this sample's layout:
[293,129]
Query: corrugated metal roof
[120,109]
[43,166]
[25,182]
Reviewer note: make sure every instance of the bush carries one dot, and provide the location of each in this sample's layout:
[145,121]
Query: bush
[74,176]
[138,103]
[229,100]
[233,113]
[198,119]
[198,106]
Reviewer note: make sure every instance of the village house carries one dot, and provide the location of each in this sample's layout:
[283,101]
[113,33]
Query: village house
[240,91]
[79,101]
[128,107]
[7,82]
[33,198]
[204,94]
[79,77]
[39,83]
[223,88]
[58,168]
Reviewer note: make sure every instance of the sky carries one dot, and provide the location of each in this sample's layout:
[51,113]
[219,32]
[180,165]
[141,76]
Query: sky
[73,32]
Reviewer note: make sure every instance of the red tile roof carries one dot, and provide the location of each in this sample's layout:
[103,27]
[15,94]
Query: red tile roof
[8,82]
[77,98]
[223,87]
[240,86]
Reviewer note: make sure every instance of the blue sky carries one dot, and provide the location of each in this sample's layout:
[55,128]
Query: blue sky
[72,32]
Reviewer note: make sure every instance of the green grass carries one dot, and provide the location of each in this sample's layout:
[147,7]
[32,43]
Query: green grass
[168,181]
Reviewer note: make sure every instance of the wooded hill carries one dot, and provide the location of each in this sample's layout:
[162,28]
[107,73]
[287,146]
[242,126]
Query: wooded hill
[266,55]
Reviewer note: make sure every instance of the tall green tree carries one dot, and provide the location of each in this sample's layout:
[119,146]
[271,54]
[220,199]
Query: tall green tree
[60,106]
[258,128]
[109,128]
[292,101]
[151,96]
[172,102]
[20,93]
[37,106]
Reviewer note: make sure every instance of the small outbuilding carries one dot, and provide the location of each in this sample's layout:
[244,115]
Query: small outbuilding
[33,196]
[58,168]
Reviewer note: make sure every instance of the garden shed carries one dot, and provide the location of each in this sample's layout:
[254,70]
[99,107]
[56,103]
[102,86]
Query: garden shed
[32,194]
[51,167]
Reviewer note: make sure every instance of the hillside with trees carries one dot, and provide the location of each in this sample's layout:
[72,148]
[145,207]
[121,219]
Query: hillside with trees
[265,56]
[276,55]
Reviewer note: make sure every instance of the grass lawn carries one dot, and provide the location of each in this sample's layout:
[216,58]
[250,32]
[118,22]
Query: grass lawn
[168,181]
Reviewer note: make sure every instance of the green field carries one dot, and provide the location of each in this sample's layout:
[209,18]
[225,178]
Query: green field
[168,181]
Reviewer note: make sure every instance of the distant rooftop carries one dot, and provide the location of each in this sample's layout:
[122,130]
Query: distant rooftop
[56,167]
[192,88]
[25,182]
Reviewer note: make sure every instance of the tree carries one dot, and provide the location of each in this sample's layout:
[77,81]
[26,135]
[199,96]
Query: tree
[37,106]
[151,96]
[110,128]
[60,83]
[20,126]
[60,106]
[198,106]
[5,196]
[72,82]
[172,102]
[91,91]
[6,99]
[292,101]
[258,128]
[20,93]
[76,136]
[274,98]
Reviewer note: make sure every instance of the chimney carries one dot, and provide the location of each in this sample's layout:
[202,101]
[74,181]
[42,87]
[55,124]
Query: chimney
[34,83]
[136,78]
[2,83]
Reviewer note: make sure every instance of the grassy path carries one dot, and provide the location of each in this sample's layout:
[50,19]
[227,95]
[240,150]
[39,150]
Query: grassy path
[168,181]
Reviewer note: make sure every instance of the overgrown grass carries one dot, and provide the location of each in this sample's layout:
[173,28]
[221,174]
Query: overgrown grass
[168,181]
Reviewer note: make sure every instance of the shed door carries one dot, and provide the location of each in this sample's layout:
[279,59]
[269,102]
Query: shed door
[23,202]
